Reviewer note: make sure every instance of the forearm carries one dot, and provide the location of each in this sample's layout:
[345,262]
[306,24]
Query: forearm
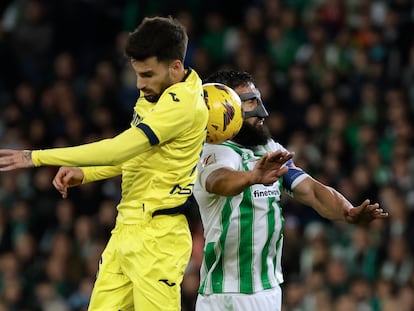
[328,202]
[228,182]
[107,152]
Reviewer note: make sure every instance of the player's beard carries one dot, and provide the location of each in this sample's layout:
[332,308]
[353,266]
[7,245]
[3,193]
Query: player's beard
[251,136]
[153,98]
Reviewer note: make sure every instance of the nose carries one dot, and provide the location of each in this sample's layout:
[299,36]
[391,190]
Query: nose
[140,84]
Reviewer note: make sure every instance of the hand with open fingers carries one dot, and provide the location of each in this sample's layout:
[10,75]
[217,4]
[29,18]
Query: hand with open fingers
[271,166]
[67,177]
[364,213]
[15,159]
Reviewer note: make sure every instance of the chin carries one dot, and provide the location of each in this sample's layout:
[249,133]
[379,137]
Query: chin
[152,98]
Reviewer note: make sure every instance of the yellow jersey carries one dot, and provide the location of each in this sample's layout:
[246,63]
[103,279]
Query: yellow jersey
[157,156]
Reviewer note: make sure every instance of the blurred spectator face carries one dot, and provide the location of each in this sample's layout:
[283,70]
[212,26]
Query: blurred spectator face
[367,135]
[56,268]
[64,66]
[345,303]
[13,291]
[25,247]
[315,280]
[297,73]
[83,229]
[107,213]
[403,129]
[360,239]
[336,272]
[9,265]
[338,120]
[294,293]
[62,246]
[397,250]
[405,297]
[362,177]
[300,92]
[315,117]
[361,290]
[253,20]
[383,288]
[65,212]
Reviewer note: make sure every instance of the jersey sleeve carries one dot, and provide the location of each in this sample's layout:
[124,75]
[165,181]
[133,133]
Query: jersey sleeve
[172,115]
[215,157]
[94,173]
[107,152]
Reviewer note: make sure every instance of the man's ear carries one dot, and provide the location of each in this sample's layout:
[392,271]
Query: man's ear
[176,68]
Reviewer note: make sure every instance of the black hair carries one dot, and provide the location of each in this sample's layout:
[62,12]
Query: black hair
[162,37]
[231,78]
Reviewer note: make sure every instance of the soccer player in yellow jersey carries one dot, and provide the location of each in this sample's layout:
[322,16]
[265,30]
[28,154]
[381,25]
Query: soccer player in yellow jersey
[143,263]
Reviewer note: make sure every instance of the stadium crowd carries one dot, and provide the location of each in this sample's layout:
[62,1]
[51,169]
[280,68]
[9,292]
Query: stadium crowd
[337,77]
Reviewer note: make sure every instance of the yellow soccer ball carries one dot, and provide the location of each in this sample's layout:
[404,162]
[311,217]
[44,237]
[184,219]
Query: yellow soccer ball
[225,112]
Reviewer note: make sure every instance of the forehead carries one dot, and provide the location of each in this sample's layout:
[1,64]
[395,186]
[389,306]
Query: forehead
[245,88]
[150,64]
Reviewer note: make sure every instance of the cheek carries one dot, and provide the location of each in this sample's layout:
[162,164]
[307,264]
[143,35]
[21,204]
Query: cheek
[154,84]
[251,121]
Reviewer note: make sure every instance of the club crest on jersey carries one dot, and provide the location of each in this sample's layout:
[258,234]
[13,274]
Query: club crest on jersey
[209,159]
[228,114]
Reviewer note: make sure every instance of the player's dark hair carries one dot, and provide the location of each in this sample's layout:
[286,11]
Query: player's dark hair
[162,37]
[231,78]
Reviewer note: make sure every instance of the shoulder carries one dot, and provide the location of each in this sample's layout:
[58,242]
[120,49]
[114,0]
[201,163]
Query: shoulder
[217,156]
[191,85]
[220,155]
[219,149]
[274,146]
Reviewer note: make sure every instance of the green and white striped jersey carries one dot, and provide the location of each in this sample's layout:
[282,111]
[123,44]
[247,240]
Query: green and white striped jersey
[243,234]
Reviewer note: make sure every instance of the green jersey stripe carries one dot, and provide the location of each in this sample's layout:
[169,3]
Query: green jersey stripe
[265,252]
[217,274]
[246,239]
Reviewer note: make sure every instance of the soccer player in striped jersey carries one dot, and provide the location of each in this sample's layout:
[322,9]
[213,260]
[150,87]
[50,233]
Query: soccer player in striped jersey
[238,192]
[143,263]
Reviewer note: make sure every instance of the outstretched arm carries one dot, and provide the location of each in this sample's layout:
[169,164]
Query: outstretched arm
[107,152]
[228,182]
[331,204]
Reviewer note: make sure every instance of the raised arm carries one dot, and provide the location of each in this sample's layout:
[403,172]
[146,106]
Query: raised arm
[229,182]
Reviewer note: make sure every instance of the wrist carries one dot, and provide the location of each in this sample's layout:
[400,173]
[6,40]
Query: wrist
[27,158]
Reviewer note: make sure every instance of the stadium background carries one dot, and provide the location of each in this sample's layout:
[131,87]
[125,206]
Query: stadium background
[337,77]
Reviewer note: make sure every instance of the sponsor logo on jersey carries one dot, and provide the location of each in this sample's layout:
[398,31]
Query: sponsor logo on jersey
[265,193]
[174,97]
[167,282]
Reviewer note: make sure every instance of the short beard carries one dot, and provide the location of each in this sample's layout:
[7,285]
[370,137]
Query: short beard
[251,136]
[152,98]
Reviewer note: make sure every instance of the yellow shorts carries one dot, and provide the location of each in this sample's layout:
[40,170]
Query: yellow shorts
[142,266]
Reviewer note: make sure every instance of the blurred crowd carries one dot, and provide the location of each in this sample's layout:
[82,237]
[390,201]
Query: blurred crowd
[337,77]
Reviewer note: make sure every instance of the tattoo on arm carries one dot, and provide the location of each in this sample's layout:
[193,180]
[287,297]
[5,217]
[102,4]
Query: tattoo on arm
[27,156]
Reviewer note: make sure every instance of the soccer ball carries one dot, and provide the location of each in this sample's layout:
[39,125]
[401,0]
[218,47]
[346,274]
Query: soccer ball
[225,112]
